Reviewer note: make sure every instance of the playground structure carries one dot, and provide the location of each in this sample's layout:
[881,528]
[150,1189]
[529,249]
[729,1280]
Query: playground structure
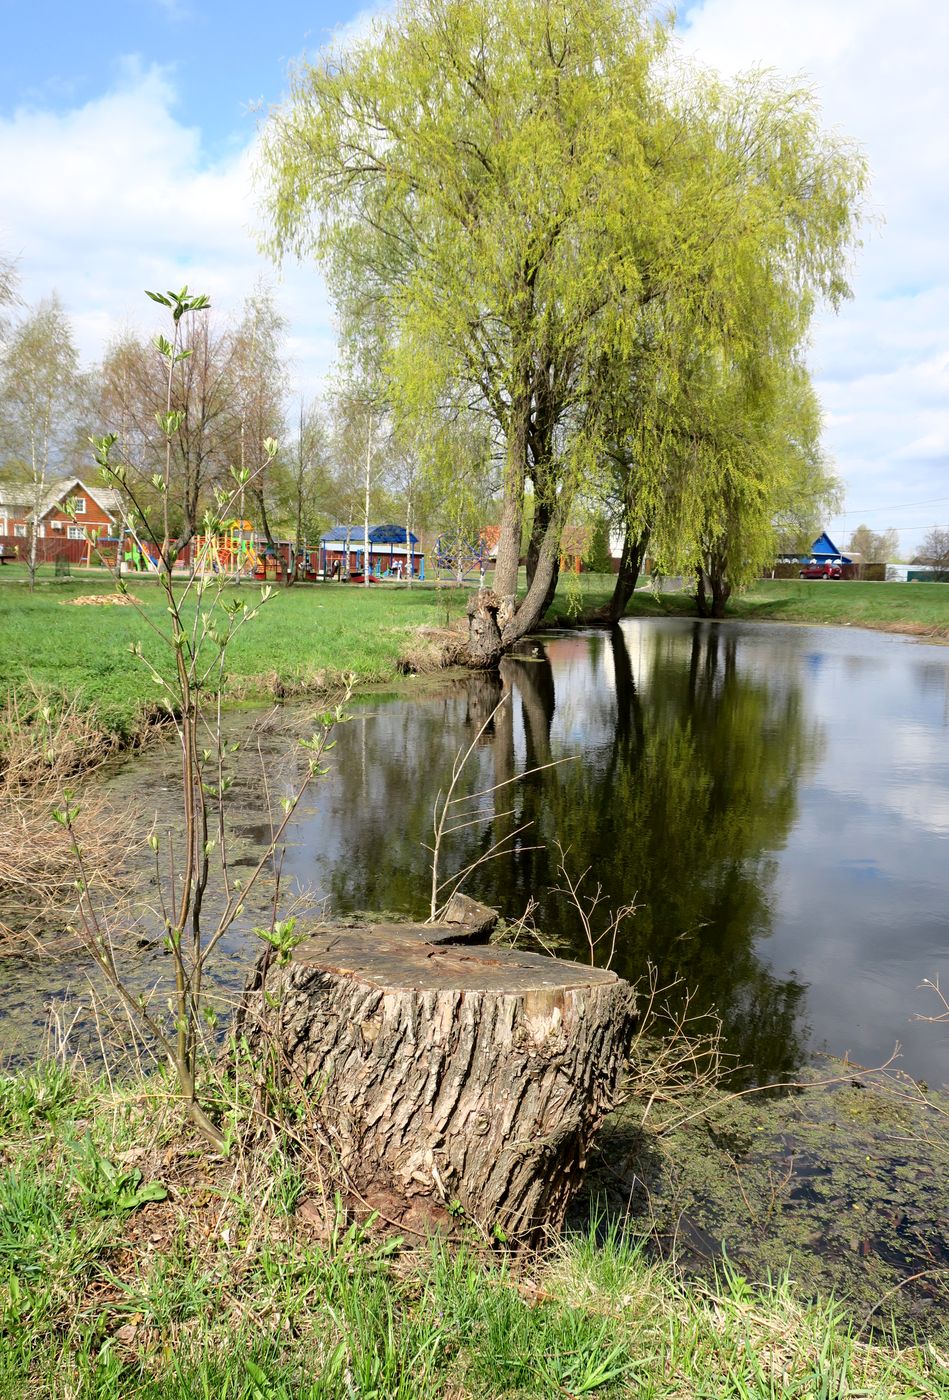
[394,553]
[232,551]
[461,557]
[237,551]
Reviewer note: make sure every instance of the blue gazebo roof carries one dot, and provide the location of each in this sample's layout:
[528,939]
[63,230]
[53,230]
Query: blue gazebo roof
[378,534]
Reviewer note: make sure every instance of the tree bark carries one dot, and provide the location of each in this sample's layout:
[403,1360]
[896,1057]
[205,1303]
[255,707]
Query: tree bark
[712,590]
[469,1077]
[484,629]
[631,561]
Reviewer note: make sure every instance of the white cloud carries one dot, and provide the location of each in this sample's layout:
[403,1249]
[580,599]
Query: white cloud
[117,195]
[881,364]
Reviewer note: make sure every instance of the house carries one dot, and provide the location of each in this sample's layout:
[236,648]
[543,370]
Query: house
[824,551]
[70,510]
[391,551]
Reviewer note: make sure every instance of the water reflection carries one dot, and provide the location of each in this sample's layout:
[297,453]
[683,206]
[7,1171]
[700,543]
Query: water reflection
[685,786]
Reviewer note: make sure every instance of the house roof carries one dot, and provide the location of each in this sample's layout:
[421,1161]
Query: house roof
[824,548]
[107,498]
[378,534]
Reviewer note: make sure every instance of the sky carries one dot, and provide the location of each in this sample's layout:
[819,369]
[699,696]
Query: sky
[127,135]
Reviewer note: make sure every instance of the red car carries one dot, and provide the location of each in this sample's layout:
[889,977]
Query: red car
[816,570]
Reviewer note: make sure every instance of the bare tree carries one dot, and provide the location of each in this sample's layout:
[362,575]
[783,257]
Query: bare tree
[360,438]
[303,477]
[134,391]
[257,395]
[874,547]
[935,548]
[8,284]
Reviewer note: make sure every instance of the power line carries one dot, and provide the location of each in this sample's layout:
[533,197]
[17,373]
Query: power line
[902,505]
[900,529]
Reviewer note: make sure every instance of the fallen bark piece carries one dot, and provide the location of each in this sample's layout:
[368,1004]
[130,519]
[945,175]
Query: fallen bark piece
[471,921]
[475,1076]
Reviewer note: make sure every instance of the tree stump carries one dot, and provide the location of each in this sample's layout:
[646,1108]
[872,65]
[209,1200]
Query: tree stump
[471,1076]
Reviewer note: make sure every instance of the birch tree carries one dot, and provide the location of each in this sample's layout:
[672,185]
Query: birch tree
[39,384]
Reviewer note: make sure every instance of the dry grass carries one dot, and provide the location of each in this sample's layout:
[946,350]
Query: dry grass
[43,750]
[99,600]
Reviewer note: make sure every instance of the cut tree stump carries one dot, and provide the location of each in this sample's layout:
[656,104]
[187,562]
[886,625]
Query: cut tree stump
[471,1076]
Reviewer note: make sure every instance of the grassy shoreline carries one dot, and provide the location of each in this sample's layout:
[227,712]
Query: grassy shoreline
[135,1264]
[308,637]
[913,609]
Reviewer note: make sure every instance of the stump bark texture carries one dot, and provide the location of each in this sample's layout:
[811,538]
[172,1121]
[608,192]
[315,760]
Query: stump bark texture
[475,1075]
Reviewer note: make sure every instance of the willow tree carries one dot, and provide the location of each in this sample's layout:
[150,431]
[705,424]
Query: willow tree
[482,173]
[504,193]
[714,427]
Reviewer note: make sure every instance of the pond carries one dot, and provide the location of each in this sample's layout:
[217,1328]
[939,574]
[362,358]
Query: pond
[774,800]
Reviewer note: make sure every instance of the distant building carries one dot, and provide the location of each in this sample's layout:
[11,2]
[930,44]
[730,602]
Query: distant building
[90,509]
[391,551]
[822,551]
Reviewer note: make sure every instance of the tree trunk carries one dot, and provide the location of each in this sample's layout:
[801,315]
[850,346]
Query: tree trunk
[542,514]
[537,600]
[469,1077]
[712,590]
[701,597]
[484,632]
[631,561]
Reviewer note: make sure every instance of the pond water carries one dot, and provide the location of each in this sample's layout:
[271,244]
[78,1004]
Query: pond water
[773,799]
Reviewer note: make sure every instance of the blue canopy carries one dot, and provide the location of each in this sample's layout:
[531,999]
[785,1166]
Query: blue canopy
[378,534]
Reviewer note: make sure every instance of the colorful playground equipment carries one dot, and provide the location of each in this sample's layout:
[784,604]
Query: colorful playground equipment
[394,553]
[136,556]
[231,551]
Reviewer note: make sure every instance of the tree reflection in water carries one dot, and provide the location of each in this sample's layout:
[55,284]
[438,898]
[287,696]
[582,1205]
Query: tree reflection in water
[685,786]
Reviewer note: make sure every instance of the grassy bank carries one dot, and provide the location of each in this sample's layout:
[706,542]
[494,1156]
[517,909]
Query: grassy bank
[918,609]
[306,637]
[303,639]
[134,1265]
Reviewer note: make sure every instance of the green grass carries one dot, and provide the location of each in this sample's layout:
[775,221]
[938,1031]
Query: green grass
[215,1292]
[305,637]
[918,608]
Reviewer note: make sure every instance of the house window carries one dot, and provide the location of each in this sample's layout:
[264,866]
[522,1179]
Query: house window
[75,505]
[19,532]
[76,532]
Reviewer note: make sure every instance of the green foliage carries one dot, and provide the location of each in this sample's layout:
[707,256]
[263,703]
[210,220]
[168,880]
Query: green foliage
[598,558]
[109,1189]
[539,218]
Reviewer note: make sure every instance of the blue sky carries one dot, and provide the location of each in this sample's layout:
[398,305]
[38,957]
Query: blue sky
[221,58]
[126,146]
